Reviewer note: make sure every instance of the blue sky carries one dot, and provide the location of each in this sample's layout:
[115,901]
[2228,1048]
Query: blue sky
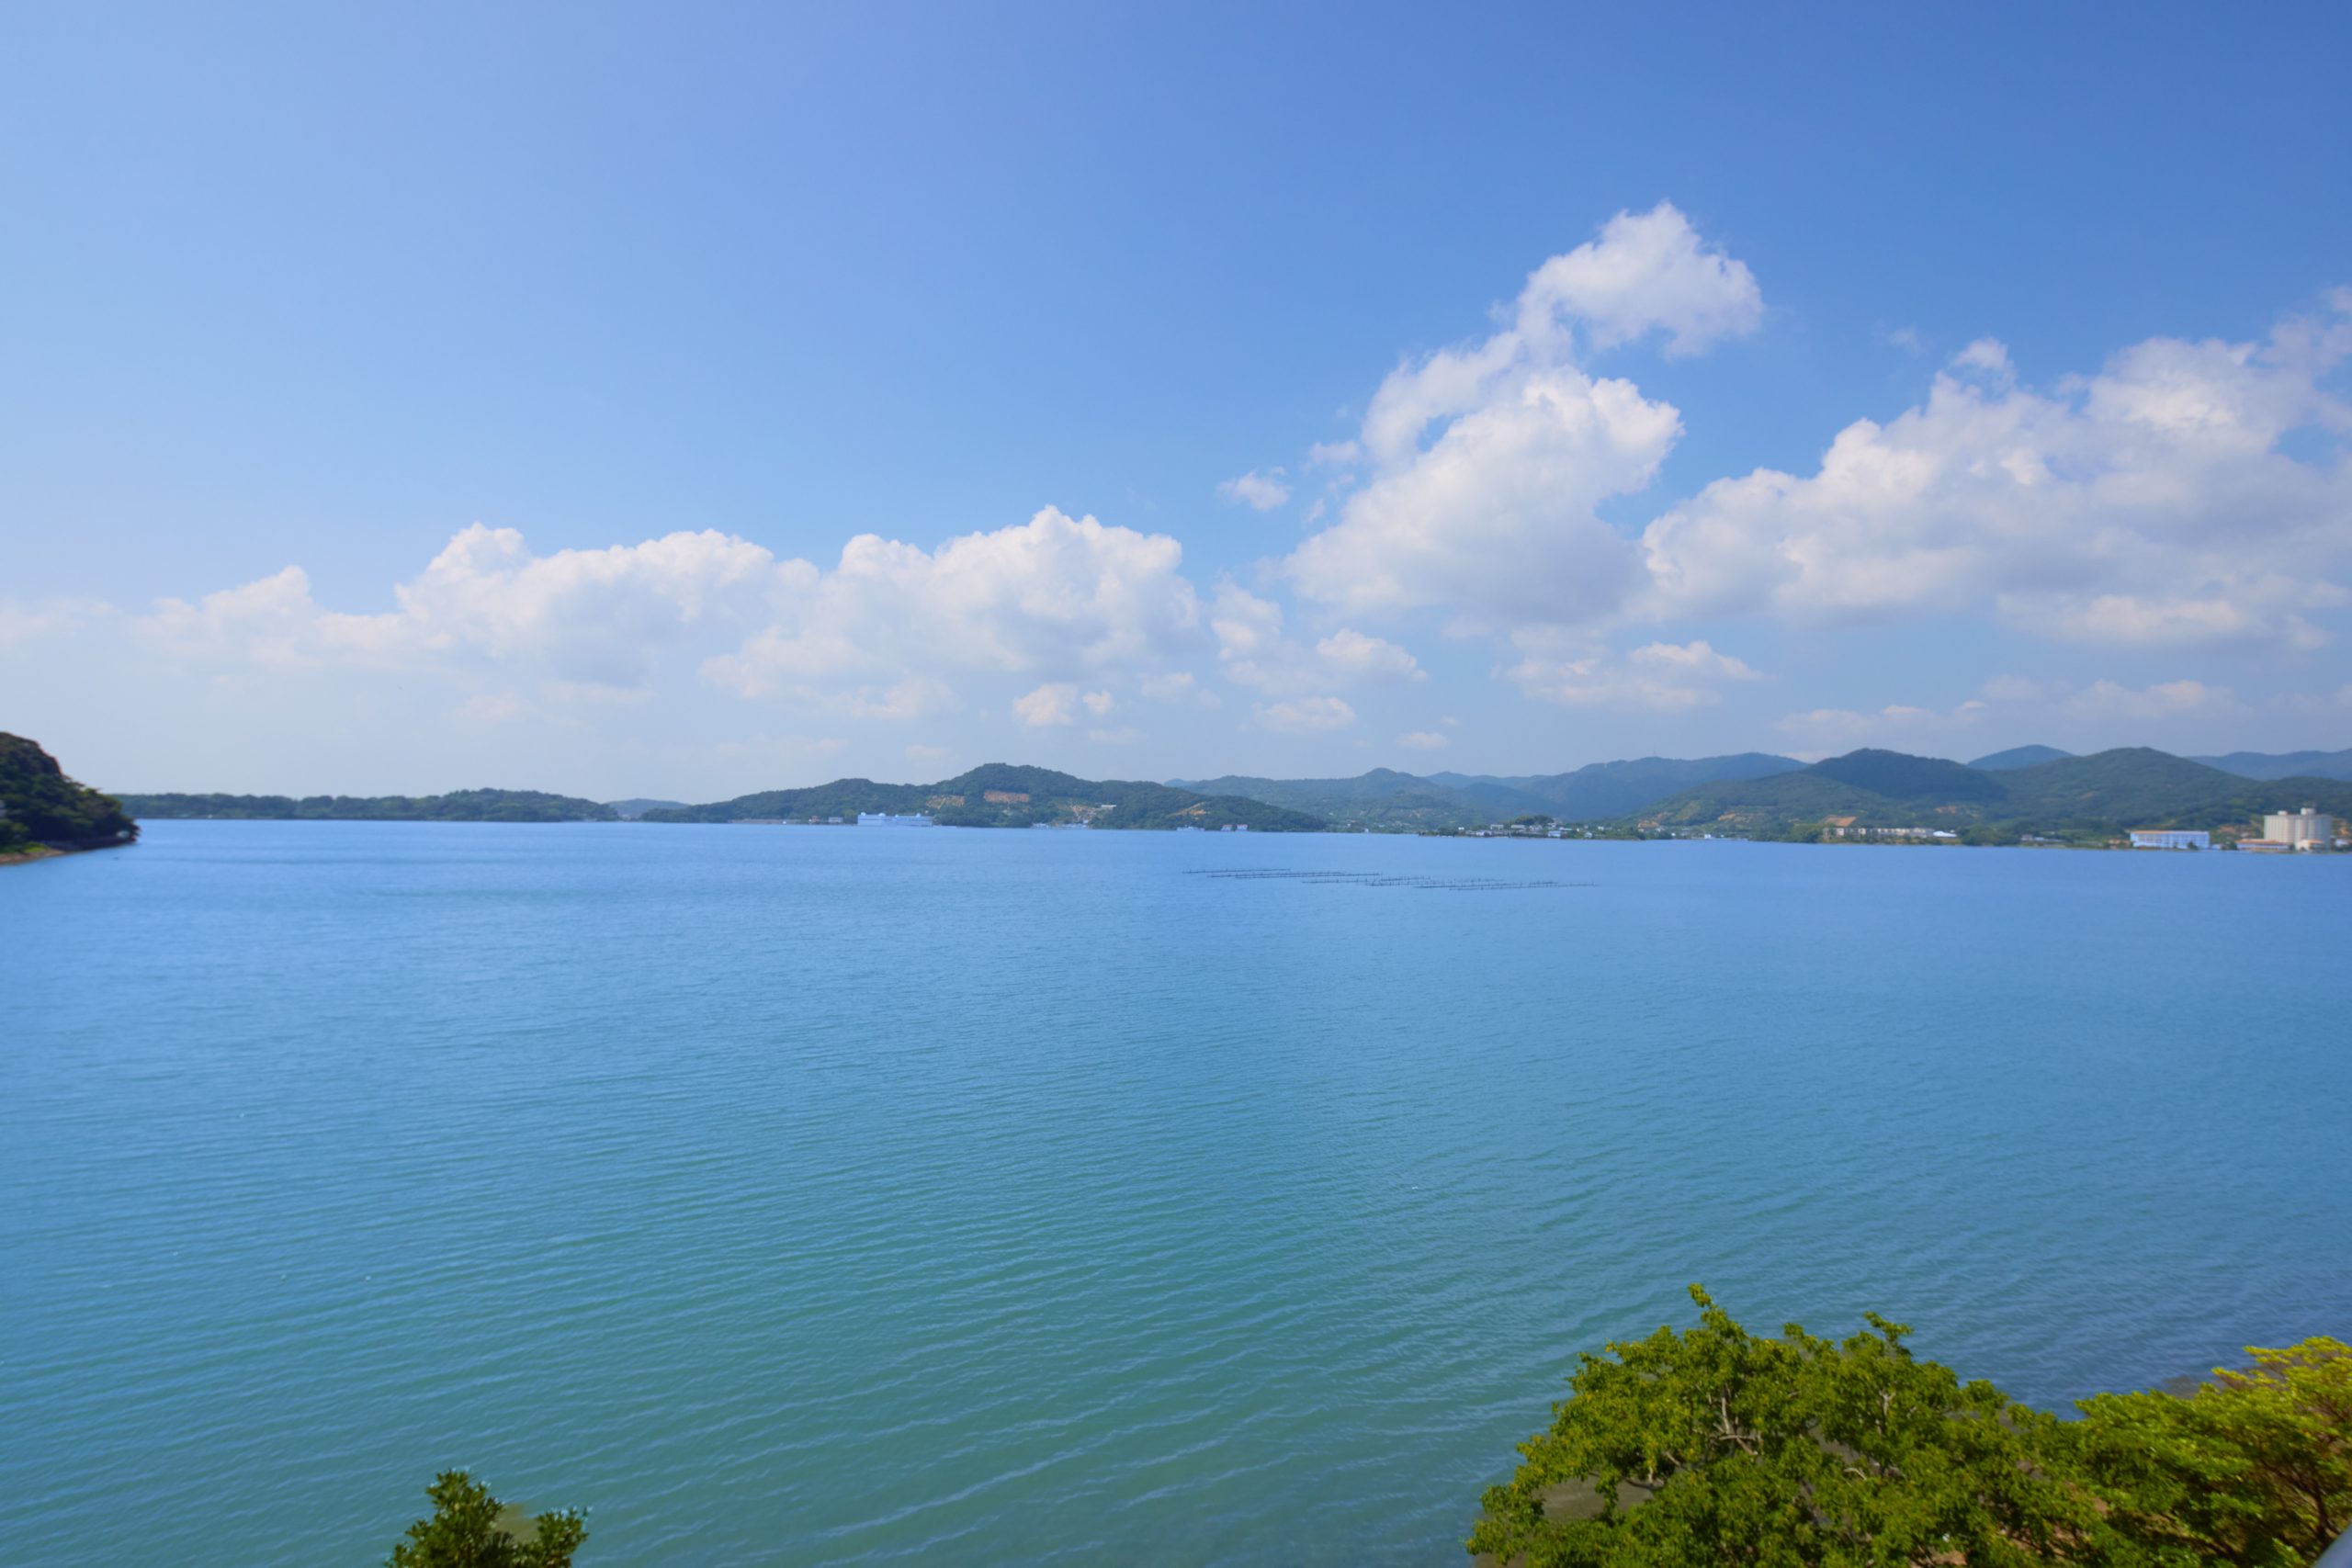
[620,402]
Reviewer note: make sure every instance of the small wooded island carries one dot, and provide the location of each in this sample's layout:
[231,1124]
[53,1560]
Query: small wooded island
[42,812]
[458,805]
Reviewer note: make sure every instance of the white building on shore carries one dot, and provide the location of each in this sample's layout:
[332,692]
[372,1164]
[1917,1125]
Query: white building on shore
[2170,839]
[2308,830]
[890,819]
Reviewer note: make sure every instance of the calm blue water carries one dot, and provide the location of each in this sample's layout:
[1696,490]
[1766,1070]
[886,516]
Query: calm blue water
[808,1196]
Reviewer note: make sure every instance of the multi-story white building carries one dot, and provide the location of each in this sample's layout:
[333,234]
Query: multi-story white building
[2309,829]
[2170,839]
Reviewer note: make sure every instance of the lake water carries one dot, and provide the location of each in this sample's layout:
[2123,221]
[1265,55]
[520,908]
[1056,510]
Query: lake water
[805,1196]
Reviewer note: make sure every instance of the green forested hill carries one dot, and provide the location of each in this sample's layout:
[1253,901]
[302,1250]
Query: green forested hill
[458,805]
[842,797]
[1899,776]
[2101,794]
[2018,757]
[2136,788]
[1770,805]
[1597,792]
[1381,798]
[43,807]
[1602,790]
[999,794]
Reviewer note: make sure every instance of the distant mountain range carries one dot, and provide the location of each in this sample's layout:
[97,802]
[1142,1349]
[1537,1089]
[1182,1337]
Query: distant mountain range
[2095,795]
[1000,796]
[2026,788]
[2284,765]
[2245,764]
[1385,799]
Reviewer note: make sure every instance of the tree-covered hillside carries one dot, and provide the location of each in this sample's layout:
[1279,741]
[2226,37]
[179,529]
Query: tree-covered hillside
[2018,757]
[1382,798]
[1898,776]
[2104,794]
[999,794]
[458,805]
[1602,790]
[40,807]
[1386,799]
[2137,787]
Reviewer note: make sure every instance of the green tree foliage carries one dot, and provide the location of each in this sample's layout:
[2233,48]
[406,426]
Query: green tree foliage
[43,807]
[470,1528]
[1713,1446]
[2254,1468]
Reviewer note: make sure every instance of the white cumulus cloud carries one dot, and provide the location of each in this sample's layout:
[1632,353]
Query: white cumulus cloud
[1055,704]
[1366,657]
[1260,492]
[1305,716]
[892,631]
[1820,732]
[588,618]
[1648,272]
[1489,461]
[1255,650]
[1056,596]
[1659,675]
[2169,699]
[22,621]
[2157,502]
[1178,687]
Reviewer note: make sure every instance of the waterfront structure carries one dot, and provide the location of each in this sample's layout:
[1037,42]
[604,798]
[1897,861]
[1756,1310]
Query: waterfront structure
[1930,835]
[890,819]
[2309,829]
[2170,839]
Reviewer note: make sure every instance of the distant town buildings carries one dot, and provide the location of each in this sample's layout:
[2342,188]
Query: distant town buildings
[2286,832]
[892,819]
[1850,831]
[2170,839]
[2306,828]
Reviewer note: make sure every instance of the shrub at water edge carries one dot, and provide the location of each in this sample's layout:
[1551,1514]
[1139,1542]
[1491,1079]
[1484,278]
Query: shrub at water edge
[1715,1446]
[470,1528]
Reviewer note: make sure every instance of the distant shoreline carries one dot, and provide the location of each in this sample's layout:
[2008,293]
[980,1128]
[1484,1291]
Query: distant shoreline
[27,856]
